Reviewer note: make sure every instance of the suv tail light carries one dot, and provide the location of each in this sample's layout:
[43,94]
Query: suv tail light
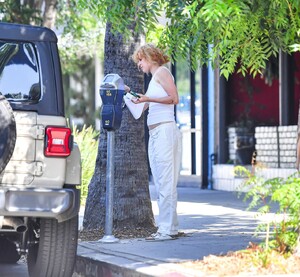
[58,142]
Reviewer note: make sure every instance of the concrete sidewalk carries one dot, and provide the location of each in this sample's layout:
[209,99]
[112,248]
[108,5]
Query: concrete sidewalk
[214,222]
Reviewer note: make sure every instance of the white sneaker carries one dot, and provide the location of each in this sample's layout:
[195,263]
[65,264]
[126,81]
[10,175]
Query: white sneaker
[158,237]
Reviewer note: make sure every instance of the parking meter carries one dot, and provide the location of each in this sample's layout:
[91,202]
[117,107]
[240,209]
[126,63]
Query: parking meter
[111,92]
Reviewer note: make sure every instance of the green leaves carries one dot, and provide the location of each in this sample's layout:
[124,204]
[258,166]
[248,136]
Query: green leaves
[18,12]
[123,13]
[87,140]
[283,193]
[241,32]
[82,35]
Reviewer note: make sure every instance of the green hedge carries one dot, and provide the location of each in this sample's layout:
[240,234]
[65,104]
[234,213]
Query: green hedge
[87,140]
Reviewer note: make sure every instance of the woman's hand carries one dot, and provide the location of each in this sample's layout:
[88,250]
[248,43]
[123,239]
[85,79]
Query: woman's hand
[141,99]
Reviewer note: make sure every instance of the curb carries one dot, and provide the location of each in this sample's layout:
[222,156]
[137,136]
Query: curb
[91,262]
[88,267]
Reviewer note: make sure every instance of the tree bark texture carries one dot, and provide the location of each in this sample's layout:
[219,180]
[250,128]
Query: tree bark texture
[49,17]
[132,205]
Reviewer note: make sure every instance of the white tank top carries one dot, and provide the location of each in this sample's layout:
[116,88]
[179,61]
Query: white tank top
[158,112]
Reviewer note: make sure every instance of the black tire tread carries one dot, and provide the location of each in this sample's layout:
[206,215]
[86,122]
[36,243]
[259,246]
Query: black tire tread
[56,253]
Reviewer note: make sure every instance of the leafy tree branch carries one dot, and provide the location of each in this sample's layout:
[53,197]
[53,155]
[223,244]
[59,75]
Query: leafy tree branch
[241,32]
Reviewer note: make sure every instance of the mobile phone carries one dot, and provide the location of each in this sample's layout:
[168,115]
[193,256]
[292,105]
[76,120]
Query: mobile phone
[134,94]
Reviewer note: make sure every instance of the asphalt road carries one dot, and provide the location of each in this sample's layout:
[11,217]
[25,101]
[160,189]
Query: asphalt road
[13,270]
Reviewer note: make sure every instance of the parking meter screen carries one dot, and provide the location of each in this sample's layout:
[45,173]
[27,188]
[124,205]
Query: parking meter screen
[109,78]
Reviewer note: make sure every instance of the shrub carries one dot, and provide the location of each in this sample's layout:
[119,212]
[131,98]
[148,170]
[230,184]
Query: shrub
[87,140]
[282,193]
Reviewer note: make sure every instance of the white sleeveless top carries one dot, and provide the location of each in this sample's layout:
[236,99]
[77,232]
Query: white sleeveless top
[158,112]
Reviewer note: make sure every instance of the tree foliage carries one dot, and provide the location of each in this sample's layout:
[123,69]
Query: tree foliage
[79,33]
[245,32]
[28,12]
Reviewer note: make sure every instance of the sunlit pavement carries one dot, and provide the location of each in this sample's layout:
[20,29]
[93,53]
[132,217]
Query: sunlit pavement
[214,222]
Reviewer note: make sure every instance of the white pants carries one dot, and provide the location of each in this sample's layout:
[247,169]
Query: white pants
[164,156]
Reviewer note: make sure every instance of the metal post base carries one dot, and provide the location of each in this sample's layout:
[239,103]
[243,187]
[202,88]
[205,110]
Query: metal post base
[109,239]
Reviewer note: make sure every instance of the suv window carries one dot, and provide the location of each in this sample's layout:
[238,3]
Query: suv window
[19,72]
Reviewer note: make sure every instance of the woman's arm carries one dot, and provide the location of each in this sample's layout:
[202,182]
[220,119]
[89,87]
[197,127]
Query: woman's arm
[127,89]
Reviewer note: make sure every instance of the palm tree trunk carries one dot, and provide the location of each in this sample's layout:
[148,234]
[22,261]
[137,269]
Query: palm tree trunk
[132,205]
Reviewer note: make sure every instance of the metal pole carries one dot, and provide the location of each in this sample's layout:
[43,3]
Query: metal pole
[211,118]
[286,82]
[110,180]
[205,153]
[193,120]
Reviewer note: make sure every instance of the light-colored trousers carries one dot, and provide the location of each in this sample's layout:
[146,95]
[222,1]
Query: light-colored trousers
[164,156]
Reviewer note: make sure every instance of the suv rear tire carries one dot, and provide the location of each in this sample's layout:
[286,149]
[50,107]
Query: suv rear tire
[55,253]
[7,132]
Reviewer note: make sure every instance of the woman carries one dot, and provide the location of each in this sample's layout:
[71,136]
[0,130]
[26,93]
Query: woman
[164,137]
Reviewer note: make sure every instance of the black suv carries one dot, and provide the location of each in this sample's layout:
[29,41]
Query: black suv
[40,168]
